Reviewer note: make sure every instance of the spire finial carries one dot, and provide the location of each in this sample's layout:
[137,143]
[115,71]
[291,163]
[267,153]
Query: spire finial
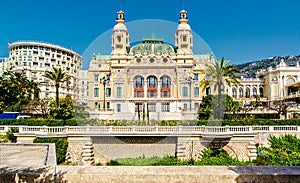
[153,29]
[121,5]
[183,5]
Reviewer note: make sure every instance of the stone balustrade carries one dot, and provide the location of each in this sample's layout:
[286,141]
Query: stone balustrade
[148,130]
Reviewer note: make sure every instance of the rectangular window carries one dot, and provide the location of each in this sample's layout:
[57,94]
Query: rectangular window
[108,92]
[107,105]
[184,38]
[119,38]
[119,92]
[138,107]
[96,77]
[96,92]
[165,106]
[118,107]
[208,92]
[196,92]
[151,93]
[185,106]
[196,77]
[151,107]
[165,94]
[184,91]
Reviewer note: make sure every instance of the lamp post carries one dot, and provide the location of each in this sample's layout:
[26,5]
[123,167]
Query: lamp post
[105,81]
[189,80]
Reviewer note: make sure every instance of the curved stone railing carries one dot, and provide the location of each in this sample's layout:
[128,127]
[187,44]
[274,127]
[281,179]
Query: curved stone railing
[44,130]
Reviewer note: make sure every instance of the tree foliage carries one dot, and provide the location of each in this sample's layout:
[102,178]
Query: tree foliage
[61,145]
[209,107]
[40,106]
[58,76]
[64,110]
[284,151]
[16,91]
[219,73]
[80,111]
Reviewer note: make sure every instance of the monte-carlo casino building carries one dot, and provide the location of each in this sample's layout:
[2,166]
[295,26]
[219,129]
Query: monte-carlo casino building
[151,79]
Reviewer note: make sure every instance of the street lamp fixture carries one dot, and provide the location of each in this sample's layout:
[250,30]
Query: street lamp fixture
[105,81]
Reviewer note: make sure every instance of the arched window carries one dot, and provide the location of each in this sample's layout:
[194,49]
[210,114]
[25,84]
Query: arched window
[165,87]
[290,81]
[261,92]
[254,90]
[208,91]
[241,93]
[152,86]
[247,92]
[234,92]
[138,83]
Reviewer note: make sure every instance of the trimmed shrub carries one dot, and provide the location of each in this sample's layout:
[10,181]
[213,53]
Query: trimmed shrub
[61,145]
[210,157]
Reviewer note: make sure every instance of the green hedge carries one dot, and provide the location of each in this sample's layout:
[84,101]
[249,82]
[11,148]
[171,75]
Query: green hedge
[91,122]
[210,157]
[256,116]
[38,122]
[61,145]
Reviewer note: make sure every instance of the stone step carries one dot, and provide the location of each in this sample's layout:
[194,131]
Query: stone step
[87,147]
[87,154]
[88,158]
[252,154]
[251,147]
[253,151]
[252,143]
[87,151]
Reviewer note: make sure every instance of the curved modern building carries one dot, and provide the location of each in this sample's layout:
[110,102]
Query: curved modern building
[34,58]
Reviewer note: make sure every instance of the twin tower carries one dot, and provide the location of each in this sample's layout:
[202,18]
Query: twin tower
[121,40]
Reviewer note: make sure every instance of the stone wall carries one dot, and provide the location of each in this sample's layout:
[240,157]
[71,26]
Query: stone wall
[107,148]
[80,151]
[190,174]
[242,148]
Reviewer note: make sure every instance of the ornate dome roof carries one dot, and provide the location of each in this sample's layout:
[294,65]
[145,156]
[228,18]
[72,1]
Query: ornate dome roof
[184,26]
[120,26]
[152,45]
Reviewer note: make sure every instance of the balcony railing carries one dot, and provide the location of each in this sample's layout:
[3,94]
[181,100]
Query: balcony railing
[293,95]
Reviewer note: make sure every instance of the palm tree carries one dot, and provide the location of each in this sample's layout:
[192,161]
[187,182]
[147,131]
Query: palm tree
[218,74]
[33,89]
[57,75]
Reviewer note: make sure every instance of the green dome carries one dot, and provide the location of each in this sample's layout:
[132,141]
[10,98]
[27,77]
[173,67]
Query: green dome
[152,45]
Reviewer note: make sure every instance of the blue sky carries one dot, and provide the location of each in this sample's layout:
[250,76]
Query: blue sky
[239,30]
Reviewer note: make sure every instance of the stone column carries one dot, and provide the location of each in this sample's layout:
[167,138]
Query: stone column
[145,88]
[158,89]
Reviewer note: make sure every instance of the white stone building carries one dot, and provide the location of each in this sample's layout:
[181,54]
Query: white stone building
[34,58]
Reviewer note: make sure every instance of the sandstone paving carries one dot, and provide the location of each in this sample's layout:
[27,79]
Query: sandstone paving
[23,156]
[145,174]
